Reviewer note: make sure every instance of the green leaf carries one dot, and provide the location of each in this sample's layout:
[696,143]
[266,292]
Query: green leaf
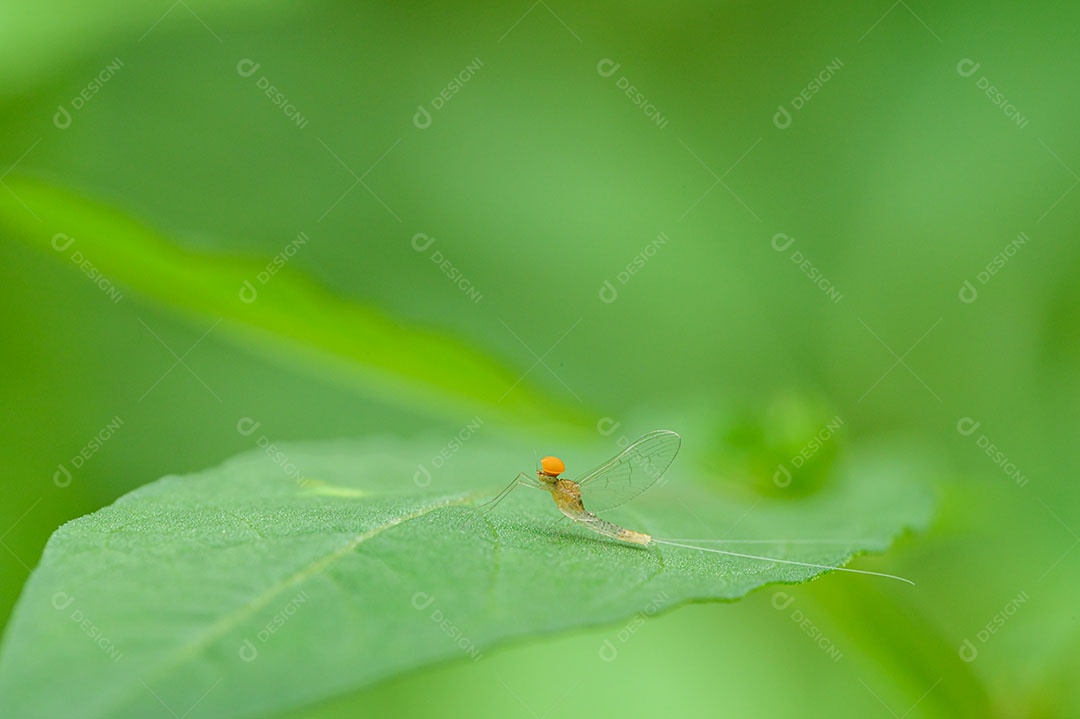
[36,39]
[290,575]
[416,366]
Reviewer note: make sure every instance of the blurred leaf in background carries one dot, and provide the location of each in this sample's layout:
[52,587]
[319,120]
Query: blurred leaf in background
[753,222]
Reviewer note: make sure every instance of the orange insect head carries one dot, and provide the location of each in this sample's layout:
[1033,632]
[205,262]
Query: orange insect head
[552,466]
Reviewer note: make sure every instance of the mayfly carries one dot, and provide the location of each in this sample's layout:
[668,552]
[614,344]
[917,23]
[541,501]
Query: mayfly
[622,478]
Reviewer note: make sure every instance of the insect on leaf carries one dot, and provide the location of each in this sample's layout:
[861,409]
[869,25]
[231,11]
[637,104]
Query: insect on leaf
[248,586]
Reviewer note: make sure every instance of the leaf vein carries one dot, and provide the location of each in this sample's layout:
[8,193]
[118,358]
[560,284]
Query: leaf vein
[239,615]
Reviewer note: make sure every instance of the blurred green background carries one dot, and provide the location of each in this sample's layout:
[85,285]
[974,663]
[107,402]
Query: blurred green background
[923,140]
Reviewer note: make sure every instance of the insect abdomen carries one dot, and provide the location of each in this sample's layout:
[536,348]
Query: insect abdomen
[610,529]
[567,496]
[629,535]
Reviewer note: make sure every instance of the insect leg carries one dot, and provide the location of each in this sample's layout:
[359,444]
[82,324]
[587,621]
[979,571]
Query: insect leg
[517,481]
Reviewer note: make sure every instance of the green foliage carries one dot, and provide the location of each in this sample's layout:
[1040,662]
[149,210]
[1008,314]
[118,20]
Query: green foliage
[900,179]
[325,578]
[360,342]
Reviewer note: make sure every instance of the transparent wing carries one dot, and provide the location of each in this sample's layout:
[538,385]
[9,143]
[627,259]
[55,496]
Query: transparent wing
[630,472]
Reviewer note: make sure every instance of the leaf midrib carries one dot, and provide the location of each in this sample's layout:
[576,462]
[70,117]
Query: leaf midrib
[218,629]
